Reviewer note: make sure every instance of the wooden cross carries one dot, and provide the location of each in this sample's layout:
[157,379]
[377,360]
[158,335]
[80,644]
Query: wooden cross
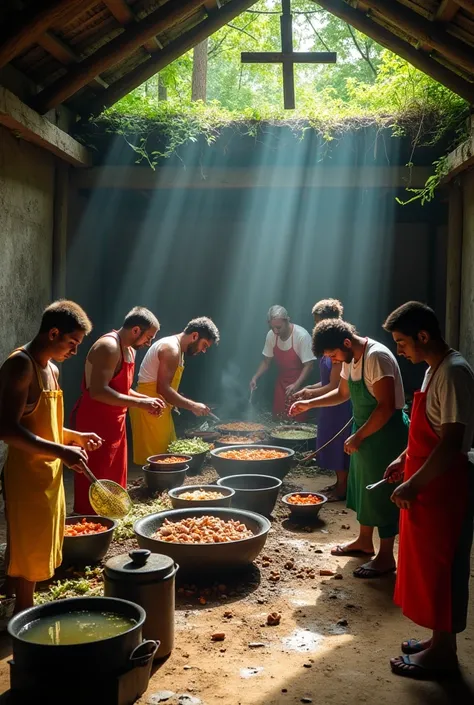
[287,57]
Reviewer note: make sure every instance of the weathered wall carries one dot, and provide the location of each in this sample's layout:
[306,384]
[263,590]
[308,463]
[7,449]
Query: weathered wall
[26,236]
[467,285]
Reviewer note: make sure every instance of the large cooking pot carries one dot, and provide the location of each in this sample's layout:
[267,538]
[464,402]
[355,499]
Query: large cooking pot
[274,467]
[94,658]
[148,580]
[256,493]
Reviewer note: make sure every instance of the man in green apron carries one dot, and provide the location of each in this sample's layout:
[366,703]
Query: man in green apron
[371,378]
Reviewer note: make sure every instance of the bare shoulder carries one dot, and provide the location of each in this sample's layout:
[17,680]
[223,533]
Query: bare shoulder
[169,349]
[18,368]
[106,349]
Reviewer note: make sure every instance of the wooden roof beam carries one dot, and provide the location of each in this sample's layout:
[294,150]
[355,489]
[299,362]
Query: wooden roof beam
[424,31]
[124,14]
[466,5]
[112,53]
[30,26]
[383,36]
[446,11]
[166,56]
[27,124]
[66,56]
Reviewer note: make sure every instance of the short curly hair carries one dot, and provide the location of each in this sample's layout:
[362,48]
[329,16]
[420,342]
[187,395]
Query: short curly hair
[205,327]
[330,334]
[328,308]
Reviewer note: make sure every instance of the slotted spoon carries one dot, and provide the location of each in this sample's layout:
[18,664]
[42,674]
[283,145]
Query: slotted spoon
[108,498]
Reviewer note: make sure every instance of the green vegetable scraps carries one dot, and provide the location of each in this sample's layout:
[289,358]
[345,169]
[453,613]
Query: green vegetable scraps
[189,446]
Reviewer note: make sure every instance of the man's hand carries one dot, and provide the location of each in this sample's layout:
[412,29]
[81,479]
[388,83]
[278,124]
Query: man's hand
[290,390]
[88,441]
[404,495]
[352,444]
[394,472]
[302,395]
[253,384]
[154,405]
[199,409]
[299,407]
[73,457]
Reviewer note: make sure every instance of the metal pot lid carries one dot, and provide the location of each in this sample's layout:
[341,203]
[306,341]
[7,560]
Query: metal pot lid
[138,564]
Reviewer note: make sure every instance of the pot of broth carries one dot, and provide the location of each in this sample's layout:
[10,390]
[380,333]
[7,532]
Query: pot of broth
[94,635]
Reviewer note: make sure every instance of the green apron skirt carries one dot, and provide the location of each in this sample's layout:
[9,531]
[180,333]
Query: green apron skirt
[368,464]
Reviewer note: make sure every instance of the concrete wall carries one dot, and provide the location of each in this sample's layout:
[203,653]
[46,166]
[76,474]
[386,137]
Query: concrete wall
[26,239]
[467,278]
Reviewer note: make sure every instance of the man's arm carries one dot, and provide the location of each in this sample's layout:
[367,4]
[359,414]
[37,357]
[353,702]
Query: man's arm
[104,359]
[332,398]
[292,388]
[313,391]
[262,368]
[15,381]
[169,360]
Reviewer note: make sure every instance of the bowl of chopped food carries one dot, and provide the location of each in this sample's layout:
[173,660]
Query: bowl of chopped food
[196,448]
[304,505]
[253,460]
[86,539]
[242,428]
[257,493]
[168,461]
[234,439]
[204,538]
[200,496]
[300,437]
[159,480]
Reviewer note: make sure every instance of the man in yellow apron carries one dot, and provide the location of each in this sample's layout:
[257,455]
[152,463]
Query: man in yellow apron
[160,374]
[31,423]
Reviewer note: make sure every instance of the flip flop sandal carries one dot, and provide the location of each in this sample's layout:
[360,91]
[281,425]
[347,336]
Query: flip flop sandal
[341,551]
[371,573]
[412,646]
[403,666]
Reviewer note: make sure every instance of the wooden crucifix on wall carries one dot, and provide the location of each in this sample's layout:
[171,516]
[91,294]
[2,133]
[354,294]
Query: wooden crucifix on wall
[287,57]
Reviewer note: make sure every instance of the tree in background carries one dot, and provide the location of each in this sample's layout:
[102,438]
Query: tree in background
[199,75]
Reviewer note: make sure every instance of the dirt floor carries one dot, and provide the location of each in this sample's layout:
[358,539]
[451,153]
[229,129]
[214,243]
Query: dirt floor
[332,645]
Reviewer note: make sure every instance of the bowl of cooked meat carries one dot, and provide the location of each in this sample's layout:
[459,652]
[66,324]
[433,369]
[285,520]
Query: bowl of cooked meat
[252,459]
[200,496]
[204,538]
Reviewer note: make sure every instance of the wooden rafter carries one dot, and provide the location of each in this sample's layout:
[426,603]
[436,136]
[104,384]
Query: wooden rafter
[446,11]
[424,31]
[25,33]
[466,5]
[112,53]
[63,53]
[172,51]
[383,36]
[124,14]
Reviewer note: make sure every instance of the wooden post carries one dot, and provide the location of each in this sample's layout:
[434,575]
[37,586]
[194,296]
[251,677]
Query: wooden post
[454,264]
[60,220]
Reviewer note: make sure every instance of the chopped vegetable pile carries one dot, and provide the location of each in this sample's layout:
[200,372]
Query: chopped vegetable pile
[189,446]
[253,454]
[205,529]
[84,528]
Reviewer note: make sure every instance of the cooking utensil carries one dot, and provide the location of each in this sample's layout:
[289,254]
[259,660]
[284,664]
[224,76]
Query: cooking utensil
[313,455]
[376,484]
[213,416]
[204,426]
[108,498]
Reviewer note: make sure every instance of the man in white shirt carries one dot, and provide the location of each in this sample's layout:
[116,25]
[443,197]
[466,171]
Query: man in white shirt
[371,378]
[289,346]
[436,497]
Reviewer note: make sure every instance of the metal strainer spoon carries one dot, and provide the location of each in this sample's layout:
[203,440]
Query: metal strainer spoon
[108,498]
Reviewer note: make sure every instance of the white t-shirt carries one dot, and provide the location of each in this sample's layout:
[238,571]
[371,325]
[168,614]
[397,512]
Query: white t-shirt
[301,343]
[151,363]
[450,396]
[379,362]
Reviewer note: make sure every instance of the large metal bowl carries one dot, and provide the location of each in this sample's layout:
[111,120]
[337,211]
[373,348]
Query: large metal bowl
[162,480]
[276,467]
[179,503]
[85,550]
[255,493]
[298,444]
[205,556]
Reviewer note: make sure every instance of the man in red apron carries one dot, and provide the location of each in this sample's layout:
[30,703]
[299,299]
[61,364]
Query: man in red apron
[436,497]
[107,394]
[290,346]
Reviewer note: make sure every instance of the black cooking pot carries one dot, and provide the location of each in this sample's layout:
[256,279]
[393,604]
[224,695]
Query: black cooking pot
[91,548]
[256,493]
[275,467]
[162,480]
[97,657]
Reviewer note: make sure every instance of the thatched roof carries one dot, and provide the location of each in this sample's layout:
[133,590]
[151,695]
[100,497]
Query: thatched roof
[89,53]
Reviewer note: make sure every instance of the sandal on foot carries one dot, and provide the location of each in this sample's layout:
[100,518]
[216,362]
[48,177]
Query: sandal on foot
[341,551]
[412,646]
[403,666]
[370,573]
